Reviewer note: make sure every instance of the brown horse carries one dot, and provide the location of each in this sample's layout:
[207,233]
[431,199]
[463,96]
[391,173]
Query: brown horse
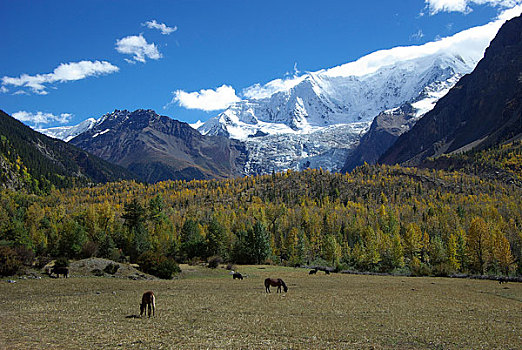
[148,301]
[275,282]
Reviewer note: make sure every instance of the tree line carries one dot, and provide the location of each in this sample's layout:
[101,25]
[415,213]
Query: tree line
[378,218]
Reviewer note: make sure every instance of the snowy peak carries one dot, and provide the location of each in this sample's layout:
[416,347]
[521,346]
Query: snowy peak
[322,99]
[67,133]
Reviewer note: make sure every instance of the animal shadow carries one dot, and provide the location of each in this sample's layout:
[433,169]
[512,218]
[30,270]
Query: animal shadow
[132,316]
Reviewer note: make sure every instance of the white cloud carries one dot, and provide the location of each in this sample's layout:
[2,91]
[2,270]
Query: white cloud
[63,73]
[137,45]
[207,99]
[4,90]
[165,30]
[464,6]
[469,43]
[258,91]
[41,117]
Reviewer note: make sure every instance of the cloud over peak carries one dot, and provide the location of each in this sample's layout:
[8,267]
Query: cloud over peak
[207,99]
[41,117]
[436,6]
[63,73]
[137,46]
[165,30]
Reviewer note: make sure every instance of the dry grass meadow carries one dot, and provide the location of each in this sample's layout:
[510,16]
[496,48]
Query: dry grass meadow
[205,308]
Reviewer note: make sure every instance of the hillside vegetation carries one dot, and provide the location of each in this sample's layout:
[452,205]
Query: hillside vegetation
[502,162]
[378,218]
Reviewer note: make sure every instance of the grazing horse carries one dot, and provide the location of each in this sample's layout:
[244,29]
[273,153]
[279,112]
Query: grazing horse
[312,272]
[148,300]
[275,282]
[237,275]
[60,270]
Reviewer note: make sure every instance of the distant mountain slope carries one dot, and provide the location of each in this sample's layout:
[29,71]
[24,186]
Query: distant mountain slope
[159,148]
[482,110]
[384,131]
[36,162]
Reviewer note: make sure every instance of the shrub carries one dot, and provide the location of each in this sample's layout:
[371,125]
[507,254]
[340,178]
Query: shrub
[97,272]
[89,249]
[25,255]
[194,261]
[111,268]
[41,261]
[214,261]
[9,262]
[419,268]
[230,266]
[166,268]
[61,262]
[158,265]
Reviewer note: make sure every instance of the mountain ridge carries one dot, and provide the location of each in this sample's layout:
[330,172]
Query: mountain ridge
[482,110]
[159,148]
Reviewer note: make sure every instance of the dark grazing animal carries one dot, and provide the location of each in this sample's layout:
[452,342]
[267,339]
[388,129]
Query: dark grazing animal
[148,300]
[312,272]
[237,275]
[275,282]
[60,270]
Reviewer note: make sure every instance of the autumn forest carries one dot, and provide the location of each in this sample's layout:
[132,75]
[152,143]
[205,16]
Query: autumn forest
[377,218]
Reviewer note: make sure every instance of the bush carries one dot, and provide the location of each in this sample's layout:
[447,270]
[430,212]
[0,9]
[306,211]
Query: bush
[166,268]
[25,255]
[89,249]
[230,266]
[214,261]
[194,261]
[9,262]
[158,265]
[97,272]
[419,268]
[111,268]
[61,262]
[41,261]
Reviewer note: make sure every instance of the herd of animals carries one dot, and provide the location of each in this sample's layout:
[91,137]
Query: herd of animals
[148,300]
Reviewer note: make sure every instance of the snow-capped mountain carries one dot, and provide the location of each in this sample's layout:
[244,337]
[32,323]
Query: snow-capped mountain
[320,117]
[67,133]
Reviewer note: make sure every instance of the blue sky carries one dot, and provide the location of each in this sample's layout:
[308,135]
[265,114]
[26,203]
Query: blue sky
[65,61]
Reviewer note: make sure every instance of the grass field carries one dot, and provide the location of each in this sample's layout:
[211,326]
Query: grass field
[207,309]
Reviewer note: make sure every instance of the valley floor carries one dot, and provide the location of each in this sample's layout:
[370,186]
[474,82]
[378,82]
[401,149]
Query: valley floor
[205,308]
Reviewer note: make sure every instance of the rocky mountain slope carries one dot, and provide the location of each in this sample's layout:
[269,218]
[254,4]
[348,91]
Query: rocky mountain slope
[483,109]
[159,148]
[32,161]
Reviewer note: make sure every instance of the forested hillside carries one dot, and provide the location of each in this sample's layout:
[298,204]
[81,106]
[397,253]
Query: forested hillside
[37,163]
[502,162]
[378,218]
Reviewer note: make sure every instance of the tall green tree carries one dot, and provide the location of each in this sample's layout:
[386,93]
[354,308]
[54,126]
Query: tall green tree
[192,241]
